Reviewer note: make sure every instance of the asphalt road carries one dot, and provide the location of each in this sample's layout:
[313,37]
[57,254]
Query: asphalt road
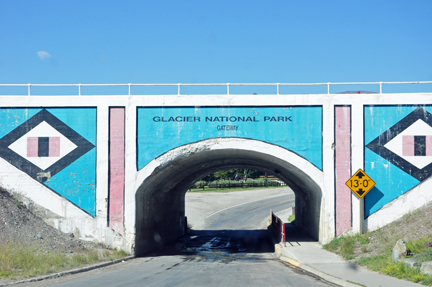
[250,215]
[232,249]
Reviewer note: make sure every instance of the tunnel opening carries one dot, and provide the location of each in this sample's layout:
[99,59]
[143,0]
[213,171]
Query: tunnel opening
[234,188]
[228,212]
[160,199]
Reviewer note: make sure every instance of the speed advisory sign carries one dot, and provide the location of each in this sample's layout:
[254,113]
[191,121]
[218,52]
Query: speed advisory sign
[360,183]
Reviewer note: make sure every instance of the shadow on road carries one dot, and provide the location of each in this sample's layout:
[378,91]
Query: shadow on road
[295,236]
[227,242]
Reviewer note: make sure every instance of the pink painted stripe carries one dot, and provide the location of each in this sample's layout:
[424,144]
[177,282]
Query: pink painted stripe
[32,146]
[54,146]
[428,145]
[408,145]
[116,168]
[342,168]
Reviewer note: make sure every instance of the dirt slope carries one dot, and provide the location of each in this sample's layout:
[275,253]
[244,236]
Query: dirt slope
[411,227]
[19,224]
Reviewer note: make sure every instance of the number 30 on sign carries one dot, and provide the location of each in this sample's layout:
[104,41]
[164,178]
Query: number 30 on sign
[360,183]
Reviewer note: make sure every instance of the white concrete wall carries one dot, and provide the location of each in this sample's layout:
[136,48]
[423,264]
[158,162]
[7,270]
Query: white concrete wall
[69,218]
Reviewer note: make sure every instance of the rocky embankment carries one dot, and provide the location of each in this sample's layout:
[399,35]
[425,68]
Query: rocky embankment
[20,225]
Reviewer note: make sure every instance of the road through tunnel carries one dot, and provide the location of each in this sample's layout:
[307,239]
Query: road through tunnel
[160,200]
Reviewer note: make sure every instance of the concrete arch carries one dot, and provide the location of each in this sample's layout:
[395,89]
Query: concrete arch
[160,197]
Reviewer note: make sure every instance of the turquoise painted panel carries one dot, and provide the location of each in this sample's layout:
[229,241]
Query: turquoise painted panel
[81,174]
[391,180]
[11,118]
[72,172]
[77,182]
[378,119]
[298,129]
[79,120]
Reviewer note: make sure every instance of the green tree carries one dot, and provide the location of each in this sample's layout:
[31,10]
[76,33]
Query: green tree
[233,174]
[226,174]
[210,177]
[253,173]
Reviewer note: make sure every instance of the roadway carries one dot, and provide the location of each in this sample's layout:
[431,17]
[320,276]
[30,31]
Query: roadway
[230,249]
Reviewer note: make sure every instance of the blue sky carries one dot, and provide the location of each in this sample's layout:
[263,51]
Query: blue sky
[215,42]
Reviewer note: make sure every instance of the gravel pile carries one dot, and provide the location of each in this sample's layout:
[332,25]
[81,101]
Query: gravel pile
[18,224]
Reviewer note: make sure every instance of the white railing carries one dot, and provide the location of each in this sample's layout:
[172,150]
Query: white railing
[228,85]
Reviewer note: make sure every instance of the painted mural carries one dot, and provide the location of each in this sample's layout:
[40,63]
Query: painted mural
[56,147]
[298,129]
[398,151]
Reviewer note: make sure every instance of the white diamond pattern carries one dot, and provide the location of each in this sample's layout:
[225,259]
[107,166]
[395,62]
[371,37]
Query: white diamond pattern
[42,130]
[418,128]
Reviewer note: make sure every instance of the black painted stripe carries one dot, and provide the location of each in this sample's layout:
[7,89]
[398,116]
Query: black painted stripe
[43,146]
[420,145]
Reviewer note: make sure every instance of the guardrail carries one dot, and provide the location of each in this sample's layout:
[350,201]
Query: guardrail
[278,227]
[228,85]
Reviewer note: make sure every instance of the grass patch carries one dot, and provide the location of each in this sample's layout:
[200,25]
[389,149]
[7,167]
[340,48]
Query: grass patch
[382,260]
[20,260]
[420,245]
[232,189]
[401,271]
[291,218]
[115,254]
[356,283]
[376,263]
[423,257]
[344,245]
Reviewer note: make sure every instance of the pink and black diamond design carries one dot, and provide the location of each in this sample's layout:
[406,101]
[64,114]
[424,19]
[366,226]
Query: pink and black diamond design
[43,146]
[408,144]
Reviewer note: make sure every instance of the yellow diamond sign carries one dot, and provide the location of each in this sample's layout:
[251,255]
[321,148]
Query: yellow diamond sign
[360,183]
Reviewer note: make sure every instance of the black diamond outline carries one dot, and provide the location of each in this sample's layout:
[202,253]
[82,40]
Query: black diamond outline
[83,145]
[377,145]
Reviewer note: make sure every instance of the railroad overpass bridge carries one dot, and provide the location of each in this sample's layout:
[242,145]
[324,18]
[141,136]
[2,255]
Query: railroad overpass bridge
[115,169]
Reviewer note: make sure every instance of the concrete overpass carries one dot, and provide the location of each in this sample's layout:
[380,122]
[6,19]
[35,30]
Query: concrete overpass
[115,169]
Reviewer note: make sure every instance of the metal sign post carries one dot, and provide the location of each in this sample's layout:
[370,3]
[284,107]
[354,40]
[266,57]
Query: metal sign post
[360,183]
